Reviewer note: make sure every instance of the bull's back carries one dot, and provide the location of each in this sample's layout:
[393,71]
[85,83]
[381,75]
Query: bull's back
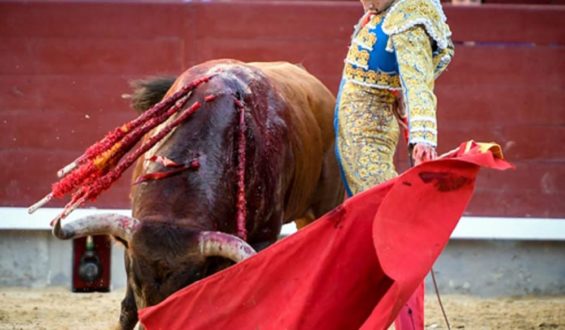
[311,133]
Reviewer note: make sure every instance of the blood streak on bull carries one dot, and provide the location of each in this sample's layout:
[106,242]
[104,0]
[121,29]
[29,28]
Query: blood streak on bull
[241,203]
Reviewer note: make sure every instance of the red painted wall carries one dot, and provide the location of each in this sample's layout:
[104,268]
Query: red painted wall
[65,65]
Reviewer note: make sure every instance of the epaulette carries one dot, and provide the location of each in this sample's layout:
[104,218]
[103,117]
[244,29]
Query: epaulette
[406,14]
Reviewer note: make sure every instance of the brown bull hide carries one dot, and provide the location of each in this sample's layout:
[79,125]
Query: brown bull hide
[290,173]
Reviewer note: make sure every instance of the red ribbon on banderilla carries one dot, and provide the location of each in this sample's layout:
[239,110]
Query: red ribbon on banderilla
[105,161]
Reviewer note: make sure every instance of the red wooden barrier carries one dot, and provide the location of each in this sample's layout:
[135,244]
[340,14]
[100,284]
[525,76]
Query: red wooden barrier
[64,66]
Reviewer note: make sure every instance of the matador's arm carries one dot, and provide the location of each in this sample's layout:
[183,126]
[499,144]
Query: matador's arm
[414,55]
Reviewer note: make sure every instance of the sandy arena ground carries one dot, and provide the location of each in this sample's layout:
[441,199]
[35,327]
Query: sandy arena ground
[58,308]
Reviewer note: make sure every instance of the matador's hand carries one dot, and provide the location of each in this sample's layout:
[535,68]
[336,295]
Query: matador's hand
[423,152]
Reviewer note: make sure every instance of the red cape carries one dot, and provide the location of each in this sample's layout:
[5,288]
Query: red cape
[354,268]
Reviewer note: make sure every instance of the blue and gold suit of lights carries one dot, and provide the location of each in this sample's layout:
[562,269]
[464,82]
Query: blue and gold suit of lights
[389,73]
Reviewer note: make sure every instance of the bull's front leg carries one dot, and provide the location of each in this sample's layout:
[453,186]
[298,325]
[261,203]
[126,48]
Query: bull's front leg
[128,313]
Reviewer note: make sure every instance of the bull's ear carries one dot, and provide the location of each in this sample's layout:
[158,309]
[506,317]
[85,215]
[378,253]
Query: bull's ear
[147,92]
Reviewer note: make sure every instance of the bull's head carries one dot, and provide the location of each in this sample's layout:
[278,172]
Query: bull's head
[158,267]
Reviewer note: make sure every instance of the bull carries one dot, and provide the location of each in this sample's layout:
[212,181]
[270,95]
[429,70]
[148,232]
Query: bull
[183,227]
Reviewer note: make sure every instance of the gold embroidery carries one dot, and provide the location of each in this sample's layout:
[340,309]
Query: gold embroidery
[406,14]
[367,135]
[359,57]
[415,63]
[357,60]
[363,43]
[371,78]
[442,59]
[366,39]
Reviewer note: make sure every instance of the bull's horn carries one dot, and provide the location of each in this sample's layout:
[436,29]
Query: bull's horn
[99,224]
[218,244]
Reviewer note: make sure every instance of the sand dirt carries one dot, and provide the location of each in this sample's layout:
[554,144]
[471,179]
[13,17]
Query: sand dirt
[58,308]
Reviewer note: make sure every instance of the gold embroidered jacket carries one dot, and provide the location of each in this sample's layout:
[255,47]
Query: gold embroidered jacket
[405,48]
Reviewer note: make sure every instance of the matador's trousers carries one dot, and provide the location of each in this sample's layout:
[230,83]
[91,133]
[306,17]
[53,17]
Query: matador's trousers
[367,134]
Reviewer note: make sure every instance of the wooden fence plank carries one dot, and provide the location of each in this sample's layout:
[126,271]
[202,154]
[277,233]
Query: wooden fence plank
[506,23]
[67,19]
[90,55]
